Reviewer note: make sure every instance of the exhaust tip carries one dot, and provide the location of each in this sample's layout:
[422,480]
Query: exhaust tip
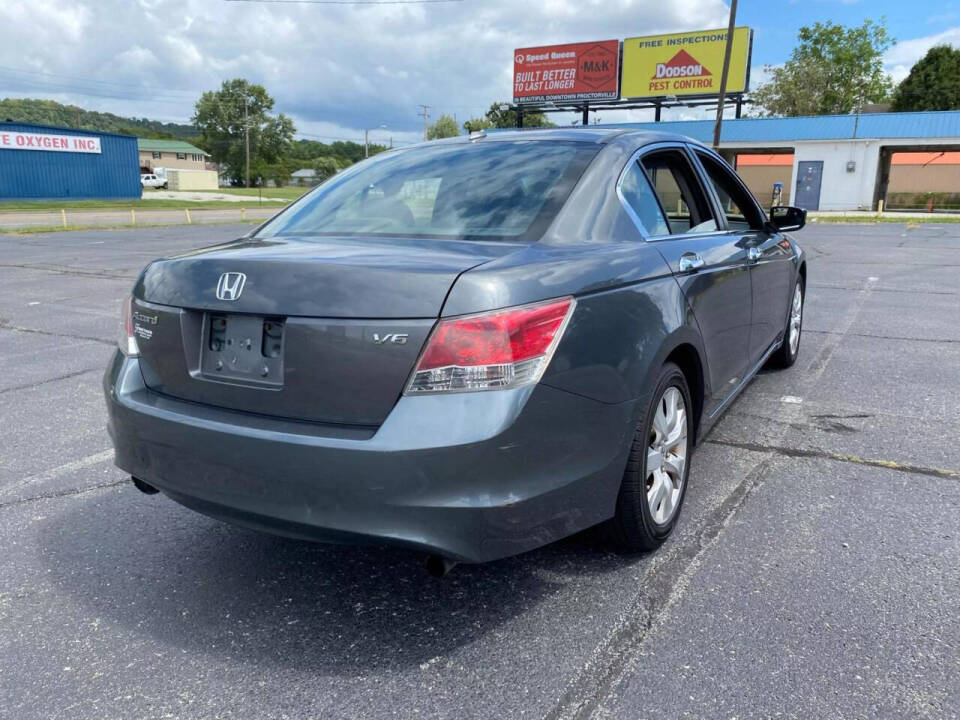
[439,566]
[145,488]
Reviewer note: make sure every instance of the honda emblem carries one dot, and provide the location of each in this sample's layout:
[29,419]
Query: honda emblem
[230,285]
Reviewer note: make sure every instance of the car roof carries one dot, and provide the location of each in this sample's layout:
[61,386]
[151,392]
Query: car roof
[598,135]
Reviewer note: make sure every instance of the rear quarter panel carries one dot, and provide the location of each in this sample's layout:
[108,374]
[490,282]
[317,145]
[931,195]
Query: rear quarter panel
[631,313]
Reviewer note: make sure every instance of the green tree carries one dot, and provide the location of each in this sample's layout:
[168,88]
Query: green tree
[933,83]
[444,127]
[224,117]
[325,167]
[477,124]
[49,112]
[501,116]
[279,173]
[507,118]
[833,70]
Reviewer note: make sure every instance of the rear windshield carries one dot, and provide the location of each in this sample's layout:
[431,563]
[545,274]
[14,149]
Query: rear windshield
[482,191]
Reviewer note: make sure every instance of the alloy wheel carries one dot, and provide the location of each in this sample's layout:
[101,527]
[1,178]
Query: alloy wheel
[666,456]
[796,319]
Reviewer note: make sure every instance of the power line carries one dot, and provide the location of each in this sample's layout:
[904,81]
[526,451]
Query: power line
[352,2]
[92,81]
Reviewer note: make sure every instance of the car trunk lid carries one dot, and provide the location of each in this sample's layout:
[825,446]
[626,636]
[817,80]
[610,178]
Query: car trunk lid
[324,330]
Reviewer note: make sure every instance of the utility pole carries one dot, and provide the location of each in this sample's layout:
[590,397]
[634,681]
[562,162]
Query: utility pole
[425,112]
[366,139]
[246,136]
[726,71]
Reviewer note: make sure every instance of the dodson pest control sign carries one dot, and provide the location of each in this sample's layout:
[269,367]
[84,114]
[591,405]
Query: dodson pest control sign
[685,63]
[46,141]
[578,71]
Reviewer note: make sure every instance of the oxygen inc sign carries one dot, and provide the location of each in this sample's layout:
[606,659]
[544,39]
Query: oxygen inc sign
[10,140]
[685,63]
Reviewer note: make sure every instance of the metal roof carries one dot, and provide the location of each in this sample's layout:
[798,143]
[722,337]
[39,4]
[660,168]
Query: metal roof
[151,145]
[919,125]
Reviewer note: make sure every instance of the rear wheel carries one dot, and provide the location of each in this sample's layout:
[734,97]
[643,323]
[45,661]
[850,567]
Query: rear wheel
[789,349]
[655,480]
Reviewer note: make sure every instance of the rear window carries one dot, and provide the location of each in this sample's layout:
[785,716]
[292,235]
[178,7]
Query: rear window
[483,191]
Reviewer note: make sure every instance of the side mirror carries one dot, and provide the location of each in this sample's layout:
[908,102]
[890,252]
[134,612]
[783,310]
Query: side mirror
[786,217]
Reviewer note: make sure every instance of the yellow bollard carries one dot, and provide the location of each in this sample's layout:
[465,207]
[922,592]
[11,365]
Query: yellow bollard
[133,216]
[243,214]
[879,208]
[63,216]
[187,211]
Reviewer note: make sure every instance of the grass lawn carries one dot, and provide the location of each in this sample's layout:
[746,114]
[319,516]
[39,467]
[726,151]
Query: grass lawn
[286,193]
[889,218]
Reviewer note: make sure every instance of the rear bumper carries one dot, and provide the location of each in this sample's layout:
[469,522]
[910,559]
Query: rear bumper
[472,476]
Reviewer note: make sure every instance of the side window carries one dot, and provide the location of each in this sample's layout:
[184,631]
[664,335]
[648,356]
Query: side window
[637,193]
[680,194]
[735,201]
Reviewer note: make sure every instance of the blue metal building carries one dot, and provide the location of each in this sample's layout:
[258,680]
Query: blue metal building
[45,163]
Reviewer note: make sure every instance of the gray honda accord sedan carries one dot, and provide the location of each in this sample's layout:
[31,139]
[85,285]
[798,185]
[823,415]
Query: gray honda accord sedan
[471,347]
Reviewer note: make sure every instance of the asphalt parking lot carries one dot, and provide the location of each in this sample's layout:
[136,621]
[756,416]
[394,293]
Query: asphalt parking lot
[815,571]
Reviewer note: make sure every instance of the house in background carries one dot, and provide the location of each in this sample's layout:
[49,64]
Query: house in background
[303,176]
[176,154]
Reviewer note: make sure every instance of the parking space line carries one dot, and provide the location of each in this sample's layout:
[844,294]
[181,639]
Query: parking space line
[61,470]
[822,359]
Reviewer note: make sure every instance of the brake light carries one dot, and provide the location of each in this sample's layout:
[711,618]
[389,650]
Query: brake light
[127,340]
[501,349]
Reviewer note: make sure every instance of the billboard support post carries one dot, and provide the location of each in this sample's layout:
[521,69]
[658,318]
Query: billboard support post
[586,115]
[728,47]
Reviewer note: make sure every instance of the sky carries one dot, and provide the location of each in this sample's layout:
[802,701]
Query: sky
[339,68]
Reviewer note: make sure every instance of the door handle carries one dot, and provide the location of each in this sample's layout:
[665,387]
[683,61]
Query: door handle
[690,262]
[753,254]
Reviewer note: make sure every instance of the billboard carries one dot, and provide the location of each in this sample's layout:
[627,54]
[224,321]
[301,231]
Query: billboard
[688,63]
[577,71]
[48,141]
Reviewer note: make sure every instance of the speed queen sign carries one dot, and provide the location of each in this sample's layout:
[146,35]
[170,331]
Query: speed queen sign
[577,71]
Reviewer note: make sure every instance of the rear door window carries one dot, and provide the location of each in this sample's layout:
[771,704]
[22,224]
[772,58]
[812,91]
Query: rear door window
[680,194]
[736,202]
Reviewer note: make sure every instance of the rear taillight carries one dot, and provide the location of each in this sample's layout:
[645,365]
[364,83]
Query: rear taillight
[127,340]
[500,349]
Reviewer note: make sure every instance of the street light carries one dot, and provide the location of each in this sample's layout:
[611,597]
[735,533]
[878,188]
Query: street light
[366,139]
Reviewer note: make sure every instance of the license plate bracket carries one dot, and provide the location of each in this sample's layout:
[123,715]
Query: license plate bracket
[243,348]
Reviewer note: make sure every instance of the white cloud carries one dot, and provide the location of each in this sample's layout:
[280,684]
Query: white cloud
[335,69]
[901,57]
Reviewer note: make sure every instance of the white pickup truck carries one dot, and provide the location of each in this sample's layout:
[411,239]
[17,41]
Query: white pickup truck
[153,181]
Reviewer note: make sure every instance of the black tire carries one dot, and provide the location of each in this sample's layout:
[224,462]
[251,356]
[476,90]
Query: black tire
[633,526]
[785,356]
